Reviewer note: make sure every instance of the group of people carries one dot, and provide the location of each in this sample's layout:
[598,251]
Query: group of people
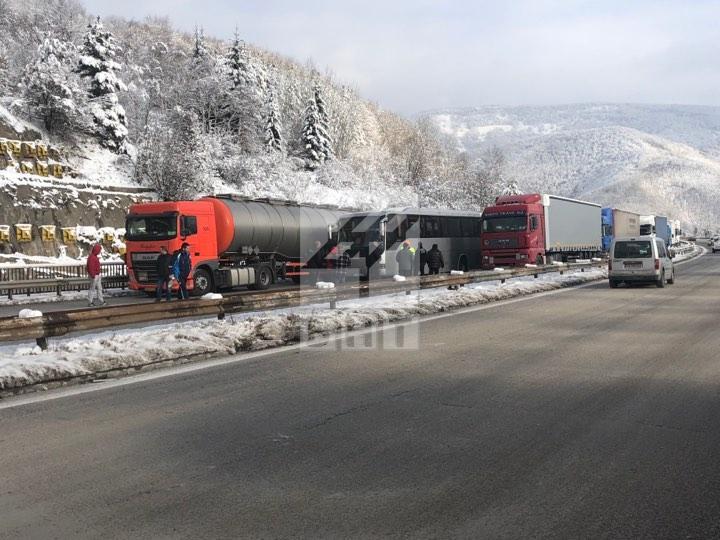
[169,268]
[413,261]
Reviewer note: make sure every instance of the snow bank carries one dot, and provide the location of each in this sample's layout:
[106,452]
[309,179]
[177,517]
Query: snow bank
[29,314]
[324,285]
[498,269]
[212,296]
[132,348]
[397,277]
[456,272]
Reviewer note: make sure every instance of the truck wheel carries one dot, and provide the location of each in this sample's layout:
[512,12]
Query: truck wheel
[203,282]
[539,260]
[263,277]
[613,284]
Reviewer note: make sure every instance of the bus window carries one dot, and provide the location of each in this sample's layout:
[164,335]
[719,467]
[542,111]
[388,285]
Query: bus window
[453,227]
[400,228]
[431,227]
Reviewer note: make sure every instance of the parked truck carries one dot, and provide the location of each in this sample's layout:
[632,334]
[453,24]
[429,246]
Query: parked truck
[618,223]
[675,232]
[233,241]
[535,228]
[657,225]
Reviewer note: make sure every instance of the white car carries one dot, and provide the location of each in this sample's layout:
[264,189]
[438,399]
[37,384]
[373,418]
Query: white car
[640,259]
[715,244]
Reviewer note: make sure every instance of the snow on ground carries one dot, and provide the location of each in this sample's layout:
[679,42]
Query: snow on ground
[129,348]
[67,296]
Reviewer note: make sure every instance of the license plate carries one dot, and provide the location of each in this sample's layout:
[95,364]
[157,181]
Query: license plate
[633,264]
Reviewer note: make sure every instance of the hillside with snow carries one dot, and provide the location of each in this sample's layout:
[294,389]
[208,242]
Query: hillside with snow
[646,158]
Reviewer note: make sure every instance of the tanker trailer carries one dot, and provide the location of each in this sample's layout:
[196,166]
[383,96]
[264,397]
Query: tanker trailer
[233,241]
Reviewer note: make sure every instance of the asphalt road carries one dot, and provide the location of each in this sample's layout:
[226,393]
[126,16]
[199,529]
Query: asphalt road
[593,413]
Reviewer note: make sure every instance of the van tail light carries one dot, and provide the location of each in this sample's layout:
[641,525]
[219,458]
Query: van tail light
[657,264]
[609,264]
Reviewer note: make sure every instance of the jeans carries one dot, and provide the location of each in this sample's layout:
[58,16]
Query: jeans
[159,283]
[182,287]
[96,289]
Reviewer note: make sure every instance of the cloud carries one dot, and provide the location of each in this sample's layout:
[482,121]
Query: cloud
[417,55]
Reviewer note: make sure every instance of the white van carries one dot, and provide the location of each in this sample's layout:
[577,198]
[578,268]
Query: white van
[641,259]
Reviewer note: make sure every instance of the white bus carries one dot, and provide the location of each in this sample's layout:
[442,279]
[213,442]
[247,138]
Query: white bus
[372,239]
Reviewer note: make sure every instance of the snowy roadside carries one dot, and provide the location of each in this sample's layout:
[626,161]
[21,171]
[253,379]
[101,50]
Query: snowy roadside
[125,351]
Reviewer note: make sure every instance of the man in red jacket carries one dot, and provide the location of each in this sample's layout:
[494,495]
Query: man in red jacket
[93,269]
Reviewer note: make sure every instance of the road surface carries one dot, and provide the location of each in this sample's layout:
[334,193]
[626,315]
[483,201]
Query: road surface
[584,414]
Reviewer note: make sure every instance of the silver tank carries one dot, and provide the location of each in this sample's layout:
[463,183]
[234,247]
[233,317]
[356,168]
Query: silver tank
[282,228]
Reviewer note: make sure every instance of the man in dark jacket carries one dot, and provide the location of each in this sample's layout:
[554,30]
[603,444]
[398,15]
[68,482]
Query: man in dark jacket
[181,269]
[435,260]
[404,259]
[421,259]
[163,267]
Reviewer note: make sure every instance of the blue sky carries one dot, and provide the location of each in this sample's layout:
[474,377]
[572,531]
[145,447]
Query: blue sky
[411,56]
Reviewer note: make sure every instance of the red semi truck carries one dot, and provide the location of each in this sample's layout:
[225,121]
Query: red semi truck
[539,229]
[233,241]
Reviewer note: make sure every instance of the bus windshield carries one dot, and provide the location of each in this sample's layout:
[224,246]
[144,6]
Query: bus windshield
[504,223]
[360,230]
[151,227]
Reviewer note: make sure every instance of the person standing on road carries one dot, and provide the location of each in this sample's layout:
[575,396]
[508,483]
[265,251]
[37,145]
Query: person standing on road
[404,259]
[435,260]
[93,270]
[163,267]
[421,259]
[181,270]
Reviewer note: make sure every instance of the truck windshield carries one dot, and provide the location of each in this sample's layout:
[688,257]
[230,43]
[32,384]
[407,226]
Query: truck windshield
[494,224]
[151,227]
[633,250]
[360,230]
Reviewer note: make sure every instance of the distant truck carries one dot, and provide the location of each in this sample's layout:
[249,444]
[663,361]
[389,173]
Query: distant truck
[657,225]
[617,223]
[539,229]
[234,242]
[675,232]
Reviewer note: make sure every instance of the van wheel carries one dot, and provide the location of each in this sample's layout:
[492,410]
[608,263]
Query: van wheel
[202,282]
[661,281]
[671,281]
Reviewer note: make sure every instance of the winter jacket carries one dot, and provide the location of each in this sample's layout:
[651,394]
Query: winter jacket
[435,259]
[404,259]
[93,262]
[163,265]
[182,265]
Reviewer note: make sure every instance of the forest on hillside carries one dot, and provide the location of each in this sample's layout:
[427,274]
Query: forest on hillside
[192,114]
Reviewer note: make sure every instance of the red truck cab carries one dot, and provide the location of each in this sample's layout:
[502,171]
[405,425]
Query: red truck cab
[512,232]
[152,225]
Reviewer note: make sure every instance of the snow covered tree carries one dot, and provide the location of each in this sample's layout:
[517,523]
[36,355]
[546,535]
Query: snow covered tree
[171,159]
[273,137]
[4,69]
[237,63]
[511,188]
[316,143]
[199,49]
[97,63]
[50,88]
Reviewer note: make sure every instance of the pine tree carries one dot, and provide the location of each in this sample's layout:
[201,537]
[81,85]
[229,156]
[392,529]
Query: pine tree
[98,64]
[237,63]
[199,49]
[317,146]
[50,88]
[273,137]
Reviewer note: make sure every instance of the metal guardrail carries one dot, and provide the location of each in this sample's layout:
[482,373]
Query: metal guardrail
[61,323]
[43,278]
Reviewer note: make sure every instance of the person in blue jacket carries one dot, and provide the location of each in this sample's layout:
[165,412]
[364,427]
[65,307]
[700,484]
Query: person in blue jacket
[181,270]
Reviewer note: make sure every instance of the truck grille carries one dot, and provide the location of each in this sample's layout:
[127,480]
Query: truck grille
[143,265]
[502,243]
